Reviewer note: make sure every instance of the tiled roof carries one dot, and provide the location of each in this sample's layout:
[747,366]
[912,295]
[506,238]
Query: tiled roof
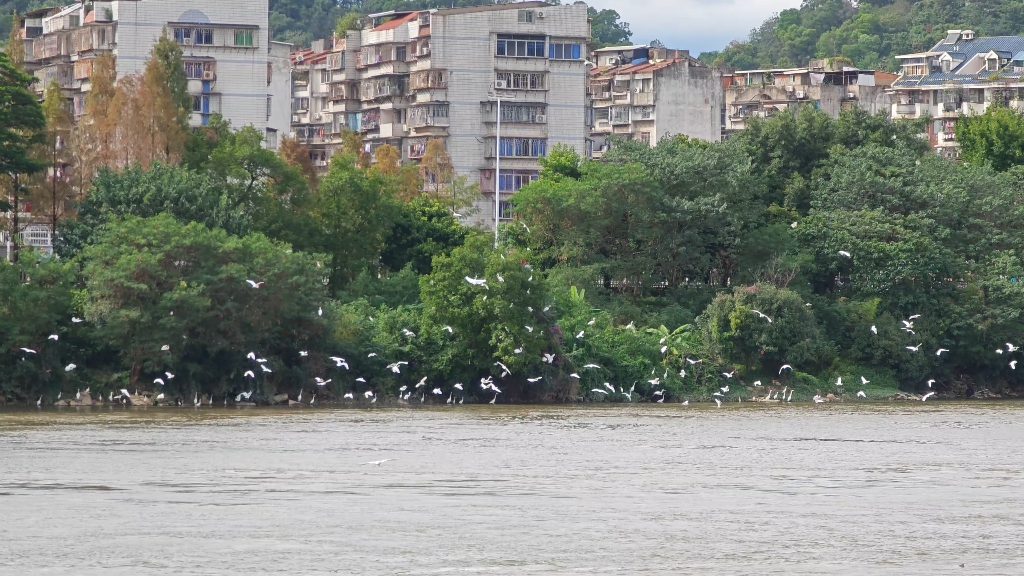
[643,68]
[395,23]
[965,51]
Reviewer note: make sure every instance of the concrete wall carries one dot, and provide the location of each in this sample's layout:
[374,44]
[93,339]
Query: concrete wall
[688,101]
[241,71]
[464,44]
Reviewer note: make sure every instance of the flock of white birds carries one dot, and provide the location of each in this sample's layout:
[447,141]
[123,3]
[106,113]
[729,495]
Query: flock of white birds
[456,392]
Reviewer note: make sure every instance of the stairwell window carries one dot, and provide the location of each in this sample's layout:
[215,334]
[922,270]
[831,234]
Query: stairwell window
[520,46]
[243,37]
[521,80]
[562,51]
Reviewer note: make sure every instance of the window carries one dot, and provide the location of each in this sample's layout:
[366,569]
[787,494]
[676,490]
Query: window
[270,106]
[520,46]
[243,37]
[271,138]
[645,113]
[325,76]
[513,180]
[526,16]
[560,51]
[521,113]
[195,70]
[199,36]
[523,147]
[400,53]
[521,80]
[645,137]
[505,209]
[201,104]
[300,104]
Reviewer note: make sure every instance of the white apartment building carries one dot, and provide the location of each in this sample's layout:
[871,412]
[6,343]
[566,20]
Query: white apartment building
[962,74]
[408,77]
[646,94]
[232,66]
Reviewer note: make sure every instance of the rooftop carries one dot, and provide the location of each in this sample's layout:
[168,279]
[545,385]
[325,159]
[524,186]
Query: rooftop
[493,7]
[964,51]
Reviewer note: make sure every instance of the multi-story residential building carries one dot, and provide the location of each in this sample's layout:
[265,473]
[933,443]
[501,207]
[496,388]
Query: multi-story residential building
[826,85]
[409,77]
[232,66]
[962,74]
[643,93]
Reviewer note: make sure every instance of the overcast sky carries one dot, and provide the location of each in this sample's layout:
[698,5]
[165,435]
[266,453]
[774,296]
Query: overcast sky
[695,25]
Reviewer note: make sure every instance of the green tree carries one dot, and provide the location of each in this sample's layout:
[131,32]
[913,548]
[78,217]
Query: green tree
[21,128]
[995,138]
[422,229]
[54,151]
[169,55]
[157,282]
[607,29]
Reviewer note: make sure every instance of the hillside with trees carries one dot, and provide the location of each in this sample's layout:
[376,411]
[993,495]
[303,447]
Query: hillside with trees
[870,32]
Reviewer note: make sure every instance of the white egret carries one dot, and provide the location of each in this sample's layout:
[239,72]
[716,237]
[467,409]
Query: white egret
[940,351]
[930,382]
[914,348]
[303,353]
[396,367]
[762,315]
[39,403]
[861,394]
[692,362]
[574,375]
[839,381]
[159,381]
[1013,365]
[70,367]
[719,402]
[320,311]
[368,394]
[757,383]
[28,351]
[533,380]
[864,380]
[348,396]
[165,348]
[339,362]
[504,369]
[251,355]
[549,358]
[76,320]
[664,349]
[915,316]
[160,396]
[254,284]
[1011,347]
[371,354]
[54,337]
[579,334]
[249,374]
[724,389]
[378,462]
[477,282]
[169,375]
[729,374]
[449,329]
[785,367]
[874,330]
[437,392]
[408,333]
[493,400]
[927,396]
[685,402]
[591,366]
[654,382]
[265,369]
[845,254]
[599,391]
[361,379]
[422,382]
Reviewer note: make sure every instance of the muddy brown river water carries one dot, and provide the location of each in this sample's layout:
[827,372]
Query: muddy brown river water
[909,489]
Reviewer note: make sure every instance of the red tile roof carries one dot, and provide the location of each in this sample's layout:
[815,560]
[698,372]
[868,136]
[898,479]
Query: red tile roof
[395,23]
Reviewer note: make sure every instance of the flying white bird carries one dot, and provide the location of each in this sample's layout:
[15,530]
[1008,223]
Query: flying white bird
[169,375]
[940,351]
[757,383]
[574,375]
[265,369]
[591,366]
[729,374]
[599,391]
[70,367]
[915,317]
[529,329]
[422,382]
[914,348]
[321,382]
[477,282]
[408,333]
[360,379]
[533,380]
[28,351]
[458,386]
[793,225]
[907,323]
[261,360]
[159,381]
[861,394]
[762,315]
[930,382]
[724,389]
[785,367]
[874,330]
[682,372]
[303,353]
[339,362]
[125,393]
[844,254]
[654,382]
[437,391]
[449,329]
[54,337]
[378,462]
[249,374]
[549,358]
[927,396]
[251,355]
[686,402]
[694,361]
[999,351]
[579,334]
[592,320]
[76,320]
[610,387]
[348,396]
[864,380]
[254,284]
[1011,347]
[504,369]
[246,395]
[165,348]
[371,354]
[1013,365]
[368,394]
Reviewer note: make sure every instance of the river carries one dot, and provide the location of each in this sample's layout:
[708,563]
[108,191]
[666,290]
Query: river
[901,489]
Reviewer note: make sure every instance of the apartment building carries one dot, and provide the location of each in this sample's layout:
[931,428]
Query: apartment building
[826,85]
[646,94]
[962,74]
[411,76]
[232,66]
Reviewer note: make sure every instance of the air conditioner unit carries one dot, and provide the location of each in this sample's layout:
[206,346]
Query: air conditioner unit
[316,116]
[209,75]
[295,118]
[851,95]
[500,84]
[801,95]
[540,14]
[540,118]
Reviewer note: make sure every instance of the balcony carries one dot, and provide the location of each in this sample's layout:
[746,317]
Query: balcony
[428,121]
[391,130]
[906,109]
[643,99]
[622,97]
[602,126]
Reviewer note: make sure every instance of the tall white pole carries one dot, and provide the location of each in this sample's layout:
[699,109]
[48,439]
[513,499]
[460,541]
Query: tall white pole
[497,178]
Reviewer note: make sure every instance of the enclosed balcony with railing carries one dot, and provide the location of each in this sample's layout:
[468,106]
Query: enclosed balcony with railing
[430,115]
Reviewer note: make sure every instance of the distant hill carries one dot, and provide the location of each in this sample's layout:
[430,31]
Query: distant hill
[869,32]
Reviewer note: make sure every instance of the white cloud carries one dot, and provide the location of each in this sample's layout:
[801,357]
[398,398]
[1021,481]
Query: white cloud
[694,25]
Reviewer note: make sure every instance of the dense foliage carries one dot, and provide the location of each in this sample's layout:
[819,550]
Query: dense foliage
[870,32]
